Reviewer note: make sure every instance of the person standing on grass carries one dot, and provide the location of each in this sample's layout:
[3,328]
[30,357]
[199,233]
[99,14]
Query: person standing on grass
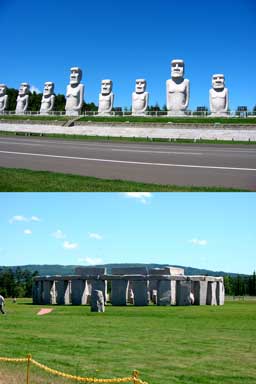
[2,304]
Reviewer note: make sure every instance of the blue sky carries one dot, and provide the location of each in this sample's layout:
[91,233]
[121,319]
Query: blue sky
[122,40]
[205,230]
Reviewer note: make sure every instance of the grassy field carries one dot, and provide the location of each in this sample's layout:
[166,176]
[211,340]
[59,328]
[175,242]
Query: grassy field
[23,180]
[166,344]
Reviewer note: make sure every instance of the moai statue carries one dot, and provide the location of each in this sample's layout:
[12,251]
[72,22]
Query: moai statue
[75,93]
[140,98]
[97,301]
[3,98]
[106,98]
[48,98]
[22,99]
[177,90]
[218,96]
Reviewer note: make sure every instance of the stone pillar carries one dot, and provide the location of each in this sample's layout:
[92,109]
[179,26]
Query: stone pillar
[199,289]
[63,292]
[78,292]
[220,293]
[140,289]
[37,291]
[100,285]
[119,292]
[97,301]
[53,293]
[164,290]
[183,291]
[46,296]
[211,293]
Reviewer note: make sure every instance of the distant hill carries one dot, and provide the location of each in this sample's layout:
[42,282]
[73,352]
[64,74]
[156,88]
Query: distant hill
[57,269]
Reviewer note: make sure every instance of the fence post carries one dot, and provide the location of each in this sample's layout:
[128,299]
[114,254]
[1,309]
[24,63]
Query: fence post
[28,369]
[135,375]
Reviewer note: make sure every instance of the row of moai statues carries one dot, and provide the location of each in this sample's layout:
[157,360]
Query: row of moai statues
[177,95]
[161,287]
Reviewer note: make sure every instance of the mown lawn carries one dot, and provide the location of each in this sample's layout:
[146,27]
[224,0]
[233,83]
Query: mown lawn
[23,180]
[166,344]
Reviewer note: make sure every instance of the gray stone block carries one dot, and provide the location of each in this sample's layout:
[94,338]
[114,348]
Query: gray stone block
[211,293]
[119,292]
[129,271]
[78,292]
[140,290]
[46,294]
[90,271]
[63,288]
[199,289]
[183,291]
[99,285]
[97,301]
[164,292]
[220,293]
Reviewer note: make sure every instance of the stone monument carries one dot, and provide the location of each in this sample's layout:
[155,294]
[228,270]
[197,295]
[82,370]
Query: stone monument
[177,90]
[75,93]
[140,98]
[106,98]
[218,96]
[97,301]
[22,99]
[48,98]
[3,98]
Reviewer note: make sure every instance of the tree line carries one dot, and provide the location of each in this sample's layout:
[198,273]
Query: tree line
[18,283]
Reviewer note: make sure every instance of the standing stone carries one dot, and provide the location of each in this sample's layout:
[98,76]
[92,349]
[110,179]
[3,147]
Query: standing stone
[3,98]
[183,291]
[53,293]
[140,289]
[78,292]
[75,93]
[211,293]
[119,292]
[164,290]
[100,285]
[46,295]
[63,288]
[177,90]
[93,272]
[97,301]
[220,293]
[199,289]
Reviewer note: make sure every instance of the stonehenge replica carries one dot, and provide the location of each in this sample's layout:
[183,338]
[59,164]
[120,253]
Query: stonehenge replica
[106,98]
[136,285]
[177,95]
[75,93]
[47,102]
[140,98]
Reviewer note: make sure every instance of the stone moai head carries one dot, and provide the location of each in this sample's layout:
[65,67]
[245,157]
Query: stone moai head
[177,68]
[218,82]
[24,89]
[75,75]
[140,86]
[2,89]
[48,88]
[106,86]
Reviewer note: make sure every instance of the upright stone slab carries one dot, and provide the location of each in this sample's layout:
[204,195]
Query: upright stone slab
[126,271]
[63,288]
[35,292]
[164,290]
[140,290]
[93,272]
[220,293]
[53,293]
[119,292]
[46,296]
[99,285]
[97,301]
[78,292]
[199,289]
[211,293]
[183,290]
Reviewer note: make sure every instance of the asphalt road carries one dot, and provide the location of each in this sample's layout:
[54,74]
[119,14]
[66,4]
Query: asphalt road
[182,164]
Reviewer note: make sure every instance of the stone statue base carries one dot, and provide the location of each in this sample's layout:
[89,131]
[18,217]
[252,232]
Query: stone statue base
[72,113]
[176,113]
[104,113]
[218,114]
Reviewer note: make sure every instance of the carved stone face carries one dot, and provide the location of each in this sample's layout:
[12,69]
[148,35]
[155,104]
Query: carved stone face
[177,68]
[218,81]
[24,88]
[48,88]
[106,87]
[2,89]
[75,75]
[140,85]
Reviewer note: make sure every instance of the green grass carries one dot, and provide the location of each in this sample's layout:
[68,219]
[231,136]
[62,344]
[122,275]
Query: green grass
[203,345]
[136,119]
[23,180]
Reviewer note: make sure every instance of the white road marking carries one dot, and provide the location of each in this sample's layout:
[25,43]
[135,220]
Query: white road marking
[163,152]
[127,162]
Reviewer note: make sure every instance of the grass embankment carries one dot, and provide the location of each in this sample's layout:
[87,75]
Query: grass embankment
[23,180]
[203,345]
[137,119]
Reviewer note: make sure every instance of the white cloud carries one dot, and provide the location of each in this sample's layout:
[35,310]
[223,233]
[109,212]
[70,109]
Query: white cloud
[59,234]
[198,242]
[91,260]
[20,218]
[143,197]
[95,236]
[27,232]
[33,88]
[69,245]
